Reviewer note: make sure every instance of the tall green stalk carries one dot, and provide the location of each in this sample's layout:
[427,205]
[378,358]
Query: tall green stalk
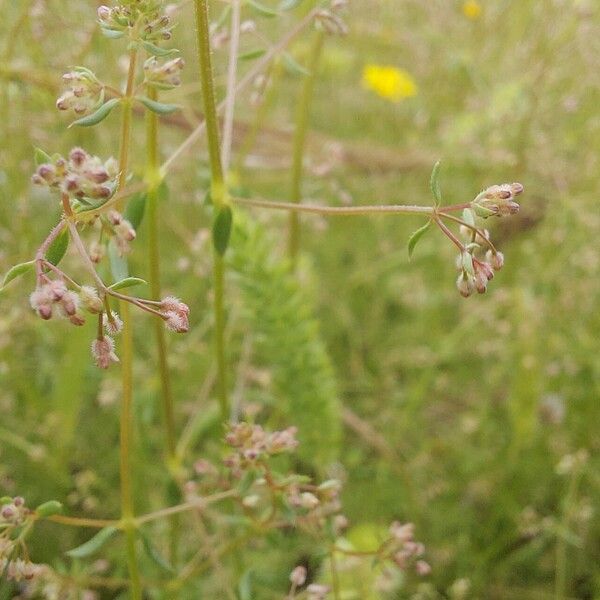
[126,434]
[302,118]
[218,194]
[152,209]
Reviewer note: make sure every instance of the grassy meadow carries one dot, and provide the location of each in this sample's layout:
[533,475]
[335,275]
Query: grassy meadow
[477,419]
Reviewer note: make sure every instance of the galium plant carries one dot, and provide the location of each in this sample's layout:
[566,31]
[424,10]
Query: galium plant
[102,207]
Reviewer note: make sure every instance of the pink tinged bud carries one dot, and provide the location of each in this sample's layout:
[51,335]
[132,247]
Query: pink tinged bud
[104,13]
[78,156]
[45,312]
[69,303]
[298,576]
[516,188]
[125,231]
[422,568]
[8,512]
[78,320]
[480,282]
[96,252]
[485,269]
[90,300]
[308,500]
[113,324]
[37,180]
[495,259]
[115,217]
[19,501]
[46,172]
[465,285]
[56,289]
[103,351]
[177,322]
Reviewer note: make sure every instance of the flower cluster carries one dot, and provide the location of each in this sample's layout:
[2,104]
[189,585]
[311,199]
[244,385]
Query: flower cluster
[404,550]
[83,94]
[81,176]
[498,200]
[54,294]
[479,259]
[145,15]
[252,443]
[163,75]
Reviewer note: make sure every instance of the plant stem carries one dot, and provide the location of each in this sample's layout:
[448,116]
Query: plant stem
[336,210]
[168,407]
[127,508]
[302,118]
[218,194]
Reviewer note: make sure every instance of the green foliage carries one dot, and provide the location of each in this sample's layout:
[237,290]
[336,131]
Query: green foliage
[280,315]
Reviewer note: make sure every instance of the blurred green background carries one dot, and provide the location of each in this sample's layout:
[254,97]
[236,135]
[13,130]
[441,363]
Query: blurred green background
[476,419]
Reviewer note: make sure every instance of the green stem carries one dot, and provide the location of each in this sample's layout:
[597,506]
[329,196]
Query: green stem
[127,509]
[168,406]
[302,118]
[218,194]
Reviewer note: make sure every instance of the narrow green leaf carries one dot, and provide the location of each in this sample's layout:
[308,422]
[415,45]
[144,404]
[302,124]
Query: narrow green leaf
[416,236]
[47,509]
[222,229]
[482,211]
[127,283]
[113,34]
[435,183]
[158,51]
[17,271]
[41,157]
[467,263]
[158,107]
[58,247]
[153,553]
[293,66]
[261,9]
[136,207]
[118,263]
[98,116]
[252,54]
[94,544]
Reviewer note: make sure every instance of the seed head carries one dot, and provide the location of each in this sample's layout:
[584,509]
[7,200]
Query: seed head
[103,351]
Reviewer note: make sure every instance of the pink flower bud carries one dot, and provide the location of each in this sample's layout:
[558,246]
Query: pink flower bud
[465,285]
[422,568]
[112,324]
[90,300]
[103,351]
[78,320]
[496,260]
[69,303]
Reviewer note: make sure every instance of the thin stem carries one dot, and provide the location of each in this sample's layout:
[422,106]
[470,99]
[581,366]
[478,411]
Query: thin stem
[234,45]
[336,210]
[302,118]
[449,234]
[81,522]
[335,578]
[476,231]
[153,178]
[126,429]
[218,193]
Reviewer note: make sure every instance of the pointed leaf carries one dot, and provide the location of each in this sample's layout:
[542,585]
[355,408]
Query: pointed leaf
[17,271]
[113,34]
[252,54]
[97,116]
[415,237]
[94,544]
[293,66]
[134,212]
[127,283]
[158,107]
[435,183]
[153,553]
[222,229]
[263,10]
[41,157]
[47,509]
[58,247]
[245,586]
[158,51]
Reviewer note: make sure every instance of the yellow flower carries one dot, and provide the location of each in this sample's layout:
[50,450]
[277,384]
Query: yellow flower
[390,83]
[472,9]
